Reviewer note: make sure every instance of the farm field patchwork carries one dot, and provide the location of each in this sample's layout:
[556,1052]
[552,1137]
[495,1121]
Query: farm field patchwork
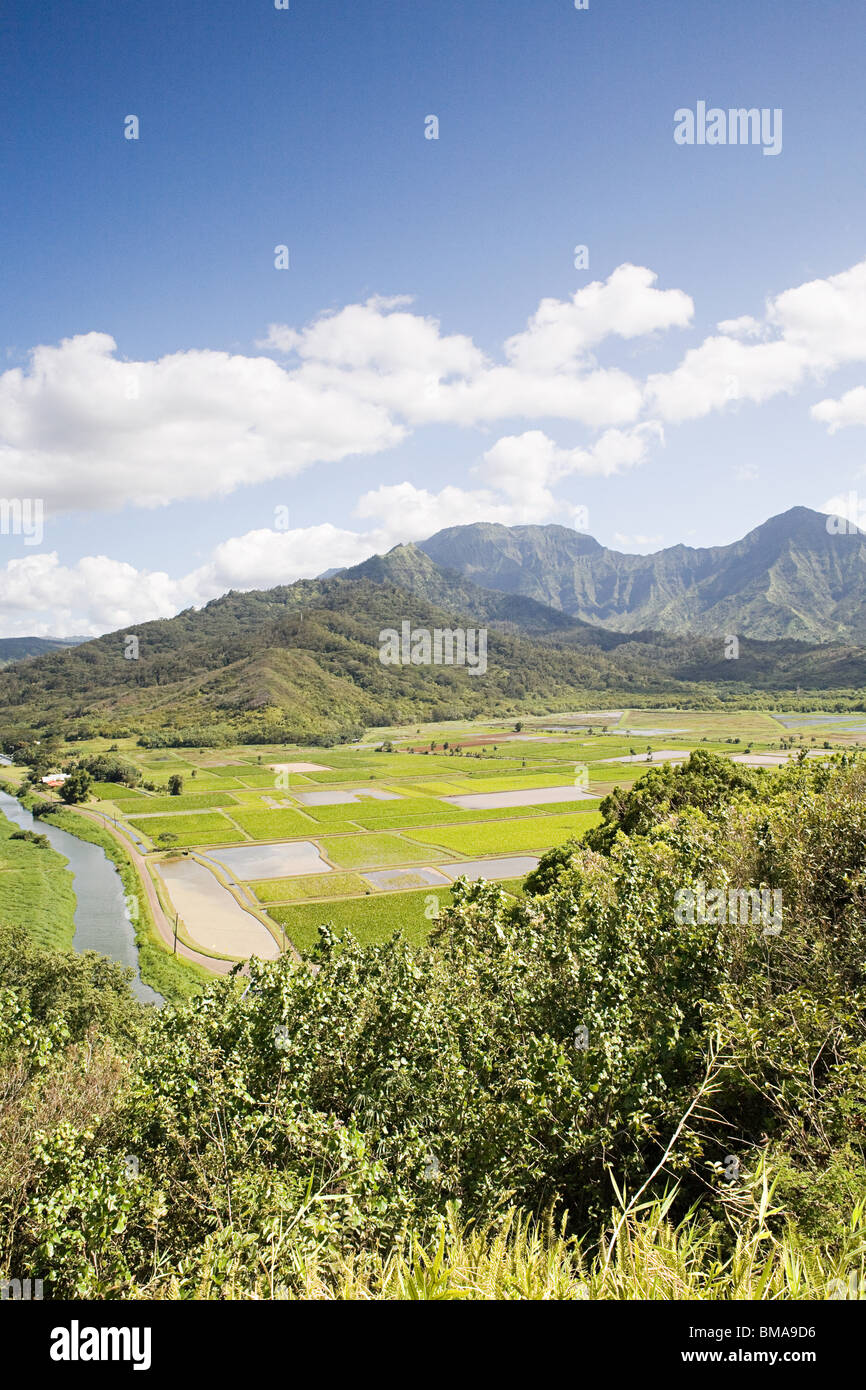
[366,830]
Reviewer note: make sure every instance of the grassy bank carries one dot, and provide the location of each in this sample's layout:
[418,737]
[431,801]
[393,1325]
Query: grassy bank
[35,889]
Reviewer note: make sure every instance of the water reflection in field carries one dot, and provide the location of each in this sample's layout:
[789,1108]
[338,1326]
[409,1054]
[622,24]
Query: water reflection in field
[284,860]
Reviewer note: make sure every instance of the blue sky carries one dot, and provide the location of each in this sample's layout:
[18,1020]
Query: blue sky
[163,459]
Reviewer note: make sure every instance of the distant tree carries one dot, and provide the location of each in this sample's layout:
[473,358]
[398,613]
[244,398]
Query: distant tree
[77,786]
[34,755]
[175,784]
[166,839]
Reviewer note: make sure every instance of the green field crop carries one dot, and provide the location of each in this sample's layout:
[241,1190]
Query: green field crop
[280,890]
[374,851]
[371,920]
[265,778]
[110,791]
[388,814]
[275,825]
[173,805]
[212,828]
[507,837]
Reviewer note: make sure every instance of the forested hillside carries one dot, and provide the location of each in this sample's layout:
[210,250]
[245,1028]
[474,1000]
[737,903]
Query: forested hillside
[302,662]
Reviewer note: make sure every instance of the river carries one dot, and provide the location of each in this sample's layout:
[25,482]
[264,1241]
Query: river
[101,921]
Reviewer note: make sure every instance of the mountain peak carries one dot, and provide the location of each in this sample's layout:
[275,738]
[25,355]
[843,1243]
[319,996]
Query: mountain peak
[789,577]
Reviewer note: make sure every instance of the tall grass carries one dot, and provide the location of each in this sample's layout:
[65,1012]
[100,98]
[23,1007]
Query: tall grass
[518,1257]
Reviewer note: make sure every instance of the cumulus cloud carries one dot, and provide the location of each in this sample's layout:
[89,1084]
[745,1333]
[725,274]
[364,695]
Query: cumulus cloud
[40,596]
[849,409]
[743,327]
[626,305]
[527,465]
[806,332]
[87,429]
[378,334]
[90,429]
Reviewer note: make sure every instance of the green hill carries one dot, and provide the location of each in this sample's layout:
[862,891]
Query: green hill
[302,661]
[18,648]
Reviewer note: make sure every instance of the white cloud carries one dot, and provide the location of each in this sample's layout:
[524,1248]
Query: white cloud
[743,327]
[626,305]
[809,330]
[88,429]
[40,596]
[527,465]
[377,334]
[849,409]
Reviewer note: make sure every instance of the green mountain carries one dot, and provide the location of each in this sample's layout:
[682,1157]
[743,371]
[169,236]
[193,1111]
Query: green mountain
[787,579]
[408,567]
[303,662]
[17,648]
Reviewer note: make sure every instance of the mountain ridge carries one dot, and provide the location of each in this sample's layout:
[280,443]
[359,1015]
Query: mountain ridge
[302,661]
[788,578]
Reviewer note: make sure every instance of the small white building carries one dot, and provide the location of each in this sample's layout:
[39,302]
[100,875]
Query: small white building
[54,779]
